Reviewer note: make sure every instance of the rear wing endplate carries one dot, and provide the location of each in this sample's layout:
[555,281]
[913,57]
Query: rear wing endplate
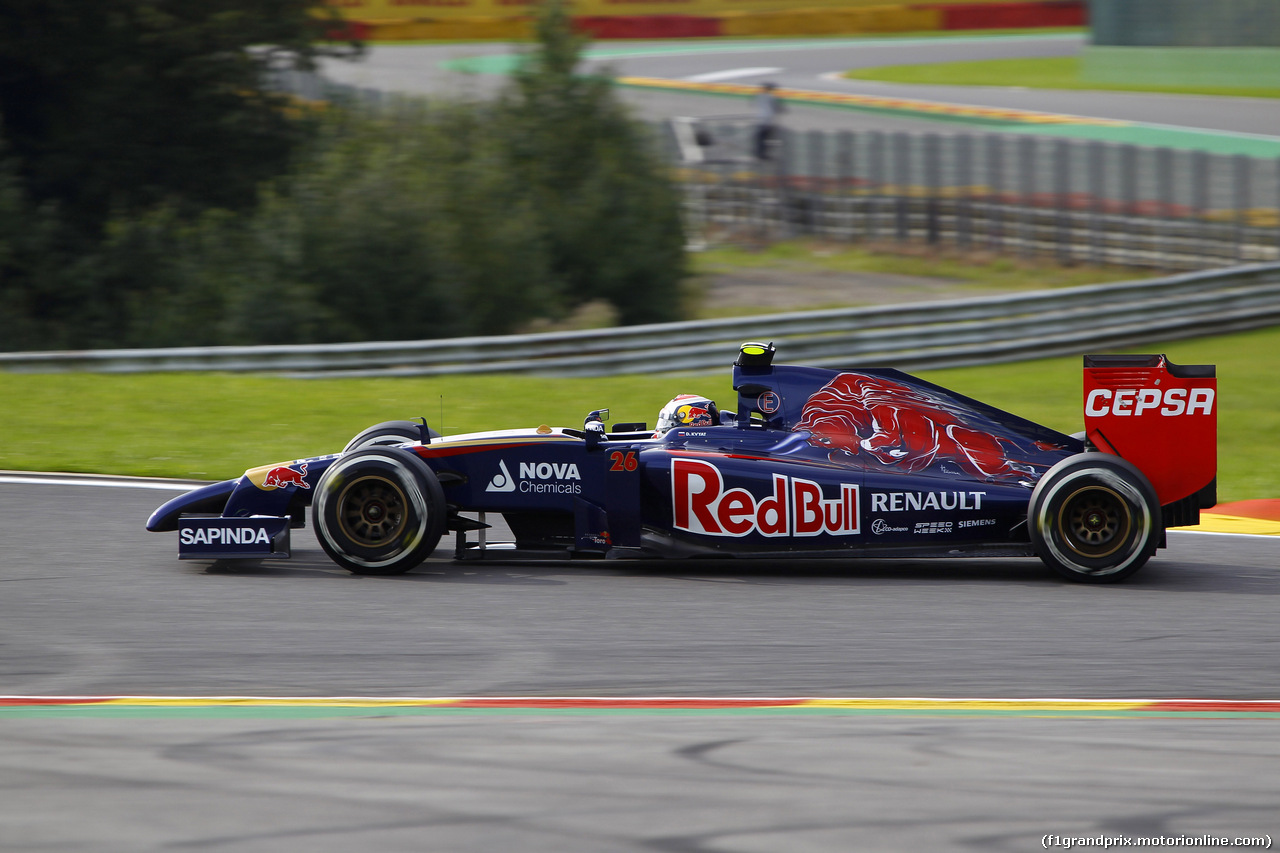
[1161,416]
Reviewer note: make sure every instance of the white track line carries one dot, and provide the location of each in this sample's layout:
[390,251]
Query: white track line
[731,74]
[41,479]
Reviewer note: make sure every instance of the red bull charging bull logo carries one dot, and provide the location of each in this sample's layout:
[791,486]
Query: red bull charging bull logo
[694,416]
[279,476]
[881,424]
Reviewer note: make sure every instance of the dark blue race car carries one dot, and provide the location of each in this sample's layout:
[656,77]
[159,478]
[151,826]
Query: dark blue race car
[815,463]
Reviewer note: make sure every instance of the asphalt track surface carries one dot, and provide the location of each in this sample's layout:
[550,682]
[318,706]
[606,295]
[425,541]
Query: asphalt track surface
[91,604]
[1220,124]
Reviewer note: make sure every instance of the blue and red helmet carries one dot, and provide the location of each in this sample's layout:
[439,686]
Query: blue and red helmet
[688,410]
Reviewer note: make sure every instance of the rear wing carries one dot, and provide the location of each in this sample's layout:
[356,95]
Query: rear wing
[1162,417]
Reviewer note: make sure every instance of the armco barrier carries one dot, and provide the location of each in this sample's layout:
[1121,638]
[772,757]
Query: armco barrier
[931,335]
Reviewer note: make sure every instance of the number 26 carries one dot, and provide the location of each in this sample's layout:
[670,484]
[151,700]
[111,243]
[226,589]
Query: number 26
[623,461]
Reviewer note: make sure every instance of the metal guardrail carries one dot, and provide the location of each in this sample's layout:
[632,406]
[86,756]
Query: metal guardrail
[951,333]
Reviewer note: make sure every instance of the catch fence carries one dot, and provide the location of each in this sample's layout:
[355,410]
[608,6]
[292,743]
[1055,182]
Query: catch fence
[1076,201]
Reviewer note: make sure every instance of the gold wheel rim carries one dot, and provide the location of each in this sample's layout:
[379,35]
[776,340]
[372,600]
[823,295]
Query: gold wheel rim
[372,511]
[1095,521]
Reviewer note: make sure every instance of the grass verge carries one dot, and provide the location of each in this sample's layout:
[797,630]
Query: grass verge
[987,269]
[214,426]
[1061,72]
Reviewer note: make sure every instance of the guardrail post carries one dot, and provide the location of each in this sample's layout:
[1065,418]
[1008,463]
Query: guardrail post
[817,183]
[784,170]
[1096,167]
[995,191]
[845,181]
[932,167]
[876,175]
[1240,200]
[963,190]
[1276,163]
[1062,190]
[1200,199]
[1164,203]
[1128,196]
[901,179]
[1027,177]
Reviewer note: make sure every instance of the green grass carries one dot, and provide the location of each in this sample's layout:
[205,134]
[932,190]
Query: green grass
[212,426]
[975,268]
[215,425]
[1049,73]
[963,274]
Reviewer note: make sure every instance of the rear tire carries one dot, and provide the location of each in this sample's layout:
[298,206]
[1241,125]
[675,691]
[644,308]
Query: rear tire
[387,434]
[1095,518]
[379,511]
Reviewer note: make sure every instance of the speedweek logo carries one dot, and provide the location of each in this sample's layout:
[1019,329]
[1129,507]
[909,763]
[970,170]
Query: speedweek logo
[795,507]
[933,527]
[538,478]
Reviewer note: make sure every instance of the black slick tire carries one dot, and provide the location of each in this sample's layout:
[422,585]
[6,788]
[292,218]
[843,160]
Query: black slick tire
[387,434]
[379,511]
[1094,518]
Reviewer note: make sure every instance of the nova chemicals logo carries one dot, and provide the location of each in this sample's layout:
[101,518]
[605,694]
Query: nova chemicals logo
[538,478]
[501,481]
[554,477]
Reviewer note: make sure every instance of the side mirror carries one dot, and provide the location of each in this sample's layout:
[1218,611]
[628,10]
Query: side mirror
[594,427]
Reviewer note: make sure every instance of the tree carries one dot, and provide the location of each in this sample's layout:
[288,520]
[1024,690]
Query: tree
[113,106]
[605,200]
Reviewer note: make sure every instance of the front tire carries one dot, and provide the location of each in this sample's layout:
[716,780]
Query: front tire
[1094,518]
[387,434]
[379,511]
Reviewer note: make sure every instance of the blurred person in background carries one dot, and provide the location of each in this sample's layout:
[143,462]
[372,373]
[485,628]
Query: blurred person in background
[768,108]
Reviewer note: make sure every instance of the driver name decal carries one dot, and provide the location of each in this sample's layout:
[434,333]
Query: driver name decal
[794,507]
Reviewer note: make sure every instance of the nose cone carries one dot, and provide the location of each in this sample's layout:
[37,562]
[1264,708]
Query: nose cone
[206,499]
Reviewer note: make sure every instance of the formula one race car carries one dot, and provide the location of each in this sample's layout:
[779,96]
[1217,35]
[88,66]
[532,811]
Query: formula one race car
[815,463]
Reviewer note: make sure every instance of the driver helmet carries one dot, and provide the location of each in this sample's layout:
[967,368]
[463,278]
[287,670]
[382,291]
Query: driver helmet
[688,410]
